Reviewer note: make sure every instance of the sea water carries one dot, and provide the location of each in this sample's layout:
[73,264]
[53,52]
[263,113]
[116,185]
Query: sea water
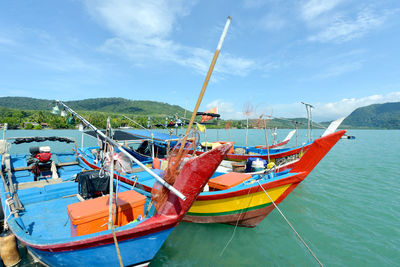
[347,210]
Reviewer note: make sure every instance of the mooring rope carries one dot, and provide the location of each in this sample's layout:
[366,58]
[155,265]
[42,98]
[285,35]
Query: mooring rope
[117,247]
[236,225]
[301,239]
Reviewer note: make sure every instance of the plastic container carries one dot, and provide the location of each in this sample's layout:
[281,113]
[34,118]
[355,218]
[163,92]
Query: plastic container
[91,216]
[249,163]
[257,165]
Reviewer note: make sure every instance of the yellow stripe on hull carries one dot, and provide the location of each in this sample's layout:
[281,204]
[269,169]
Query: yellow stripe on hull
[238,202]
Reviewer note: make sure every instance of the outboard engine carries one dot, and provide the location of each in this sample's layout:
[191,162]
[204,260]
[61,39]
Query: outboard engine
[41,160]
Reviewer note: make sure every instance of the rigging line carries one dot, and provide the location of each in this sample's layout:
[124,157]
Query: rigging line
[298,122]
[291,226]
[141,126]
[236,225]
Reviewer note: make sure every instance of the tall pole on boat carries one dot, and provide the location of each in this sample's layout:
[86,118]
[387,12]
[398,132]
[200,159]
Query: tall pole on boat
[5,130]
[266,138]
[111,195]
[309,117]
[203,89]
[126,153]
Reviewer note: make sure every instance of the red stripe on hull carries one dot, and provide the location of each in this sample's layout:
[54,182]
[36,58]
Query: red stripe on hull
[247,219]
[102,240]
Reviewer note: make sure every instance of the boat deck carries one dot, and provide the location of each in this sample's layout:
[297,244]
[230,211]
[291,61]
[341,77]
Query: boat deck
[49,219]
[65,172]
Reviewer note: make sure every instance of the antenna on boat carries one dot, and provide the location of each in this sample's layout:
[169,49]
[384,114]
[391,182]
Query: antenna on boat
[309,117]
[126,153]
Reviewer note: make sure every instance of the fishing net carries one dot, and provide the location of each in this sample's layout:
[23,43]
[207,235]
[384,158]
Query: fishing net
[176,160]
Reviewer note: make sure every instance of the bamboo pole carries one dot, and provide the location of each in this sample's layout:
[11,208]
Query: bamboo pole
[203,89]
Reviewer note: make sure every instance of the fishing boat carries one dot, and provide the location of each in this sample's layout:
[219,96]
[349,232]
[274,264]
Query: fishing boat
[283,158]
[146,145]
[237,198]
[279,144]
[245,203]
[60,230]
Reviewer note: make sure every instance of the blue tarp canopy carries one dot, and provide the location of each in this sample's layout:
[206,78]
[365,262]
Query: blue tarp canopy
[157,136]
[128,135]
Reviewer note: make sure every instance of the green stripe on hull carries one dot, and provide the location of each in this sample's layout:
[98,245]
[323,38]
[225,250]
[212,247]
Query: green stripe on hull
[229,212]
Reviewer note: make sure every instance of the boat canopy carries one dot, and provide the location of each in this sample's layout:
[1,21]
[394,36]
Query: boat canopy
[157,136]
[21,140]
[129,135]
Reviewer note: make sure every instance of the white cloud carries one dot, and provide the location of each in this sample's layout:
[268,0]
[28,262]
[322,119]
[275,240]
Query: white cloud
[139,20]
[314,8]
[321,112]
[341,30]
[226,109]
[342,108]
[143,30]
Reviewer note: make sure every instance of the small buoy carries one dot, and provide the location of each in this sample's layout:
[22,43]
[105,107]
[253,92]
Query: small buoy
[270,165]
[8,249]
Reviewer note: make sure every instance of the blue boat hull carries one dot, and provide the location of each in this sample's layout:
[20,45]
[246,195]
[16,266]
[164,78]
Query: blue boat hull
[133,252]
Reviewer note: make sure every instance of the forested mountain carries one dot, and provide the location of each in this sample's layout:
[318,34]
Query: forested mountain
[382,116]
[28,113]
[17,111]
[114,105]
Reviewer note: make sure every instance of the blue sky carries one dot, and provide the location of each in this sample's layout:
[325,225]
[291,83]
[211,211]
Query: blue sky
[335,54]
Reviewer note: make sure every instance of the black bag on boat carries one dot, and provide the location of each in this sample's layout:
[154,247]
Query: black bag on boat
[91,184]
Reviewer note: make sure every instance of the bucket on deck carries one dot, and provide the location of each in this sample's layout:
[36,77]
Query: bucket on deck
[8,249]
[257,165]
[238,166]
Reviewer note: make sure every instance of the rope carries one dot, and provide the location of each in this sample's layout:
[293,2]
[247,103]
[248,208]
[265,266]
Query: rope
[301,239]
[117,248]
[237,222]
[134,183]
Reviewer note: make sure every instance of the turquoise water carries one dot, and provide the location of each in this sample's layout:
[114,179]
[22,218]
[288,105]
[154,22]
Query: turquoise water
[347,210]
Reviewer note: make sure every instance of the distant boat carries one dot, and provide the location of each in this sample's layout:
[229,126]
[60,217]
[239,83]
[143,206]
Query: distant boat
[60,230]
[284,158]
[348,137]
[237,198]
[280,144]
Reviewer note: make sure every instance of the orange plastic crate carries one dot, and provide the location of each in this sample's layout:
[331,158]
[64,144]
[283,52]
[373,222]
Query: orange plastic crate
[228,180]
[91,216]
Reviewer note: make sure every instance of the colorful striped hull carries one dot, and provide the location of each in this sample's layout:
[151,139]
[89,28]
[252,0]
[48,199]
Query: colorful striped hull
[247,210]
[249,205]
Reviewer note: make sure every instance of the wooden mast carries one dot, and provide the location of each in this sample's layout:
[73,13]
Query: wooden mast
[203,89]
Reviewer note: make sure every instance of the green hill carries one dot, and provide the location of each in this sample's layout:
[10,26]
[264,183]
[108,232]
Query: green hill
[382,116]
[112,105]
